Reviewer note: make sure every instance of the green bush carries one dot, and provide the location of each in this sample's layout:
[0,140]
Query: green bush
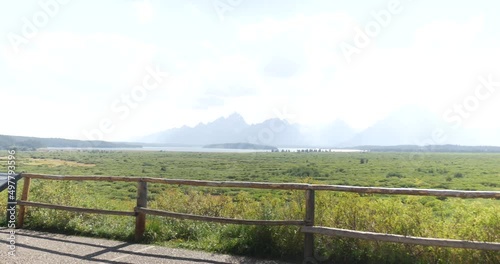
[303,172]
[394,174]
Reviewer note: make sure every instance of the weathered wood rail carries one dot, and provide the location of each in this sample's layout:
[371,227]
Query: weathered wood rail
[307,224]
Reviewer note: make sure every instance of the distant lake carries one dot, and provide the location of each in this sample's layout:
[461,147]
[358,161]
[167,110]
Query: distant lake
[201,149]
[171,149]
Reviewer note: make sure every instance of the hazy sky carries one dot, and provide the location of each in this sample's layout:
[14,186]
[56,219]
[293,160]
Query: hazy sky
[121,69]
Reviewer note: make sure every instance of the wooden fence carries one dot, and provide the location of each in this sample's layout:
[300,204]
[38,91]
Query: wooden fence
[306,224]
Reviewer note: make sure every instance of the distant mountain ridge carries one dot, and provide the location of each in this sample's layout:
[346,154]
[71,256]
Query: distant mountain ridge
[407,126]
[275,132]
[410,125]
[33,143]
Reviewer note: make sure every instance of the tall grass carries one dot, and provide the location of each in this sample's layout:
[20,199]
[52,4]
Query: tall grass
[414,216]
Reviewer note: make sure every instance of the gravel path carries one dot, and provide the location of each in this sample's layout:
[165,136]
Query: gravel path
[40,247]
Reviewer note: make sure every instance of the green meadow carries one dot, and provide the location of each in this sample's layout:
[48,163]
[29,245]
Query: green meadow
[454,218]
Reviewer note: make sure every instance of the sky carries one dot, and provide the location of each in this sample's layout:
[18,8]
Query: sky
[121,69]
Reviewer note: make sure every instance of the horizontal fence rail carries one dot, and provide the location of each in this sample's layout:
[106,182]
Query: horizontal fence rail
[329,231]
[307,225]
[75,209]
[219,219]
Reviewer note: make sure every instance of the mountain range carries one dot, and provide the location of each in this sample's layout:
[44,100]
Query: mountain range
[407,126]
[33,143]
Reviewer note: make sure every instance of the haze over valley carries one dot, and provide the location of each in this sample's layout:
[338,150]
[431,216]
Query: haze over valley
[407,126]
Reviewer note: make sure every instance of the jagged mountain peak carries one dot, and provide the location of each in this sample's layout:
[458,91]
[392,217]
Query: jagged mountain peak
[236,119]
[235,116]
[409,125]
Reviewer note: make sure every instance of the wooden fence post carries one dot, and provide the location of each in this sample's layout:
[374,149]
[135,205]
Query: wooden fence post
[24,197]
[140,218]
[309,221]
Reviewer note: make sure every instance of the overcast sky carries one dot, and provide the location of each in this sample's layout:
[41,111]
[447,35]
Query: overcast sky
[126,68]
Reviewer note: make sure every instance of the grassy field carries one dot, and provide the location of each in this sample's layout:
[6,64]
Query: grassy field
[470,219]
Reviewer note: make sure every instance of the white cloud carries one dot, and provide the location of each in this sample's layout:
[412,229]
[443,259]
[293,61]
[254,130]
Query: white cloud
[381,81]
[106,59]
[449,35]
[29,117]
[145,11]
